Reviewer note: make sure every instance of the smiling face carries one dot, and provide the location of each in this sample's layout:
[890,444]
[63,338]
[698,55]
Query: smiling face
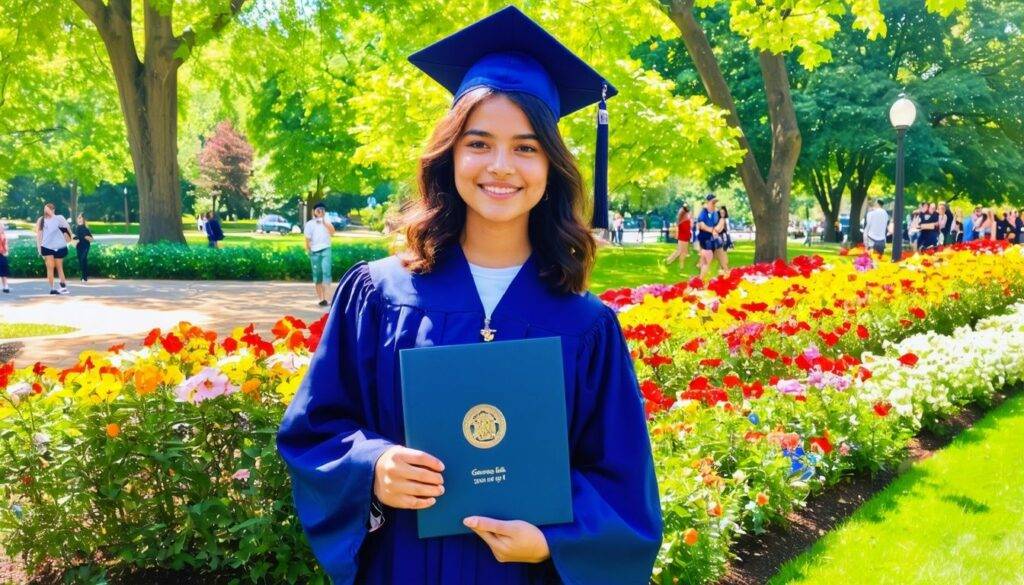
[501,171]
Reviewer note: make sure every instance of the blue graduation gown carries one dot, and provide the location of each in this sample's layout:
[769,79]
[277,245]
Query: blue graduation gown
[347,412]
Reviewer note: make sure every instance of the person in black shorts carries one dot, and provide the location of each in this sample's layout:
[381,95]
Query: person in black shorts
[52,236]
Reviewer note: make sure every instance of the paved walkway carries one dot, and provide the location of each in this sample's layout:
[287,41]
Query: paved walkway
[106,312]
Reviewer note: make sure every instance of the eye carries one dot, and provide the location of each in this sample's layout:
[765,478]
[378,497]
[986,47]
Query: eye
[476,144]
[526,148]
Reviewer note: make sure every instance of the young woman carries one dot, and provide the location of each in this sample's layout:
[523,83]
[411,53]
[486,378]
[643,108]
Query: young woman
[685,225]
[5,270]
[496,249]
[83,235]
[52,236]
[709,238]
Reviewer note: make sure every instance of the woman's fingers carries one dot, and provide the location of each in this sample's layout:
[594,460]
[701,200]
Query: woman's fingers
[415,488]
[414,457]
[420,474]
[414,503]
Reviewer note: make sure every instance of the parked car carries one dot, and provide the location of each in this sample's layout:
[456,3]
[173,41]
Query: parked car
[273,223]
[338,221]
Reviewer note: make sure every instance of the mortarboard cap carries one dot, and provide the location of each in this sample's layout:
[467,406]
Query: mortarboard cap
[507,51]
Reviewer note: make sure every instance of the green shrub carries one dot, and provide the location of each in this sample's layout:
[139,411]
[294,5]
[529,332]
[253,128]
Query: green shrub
[176,262]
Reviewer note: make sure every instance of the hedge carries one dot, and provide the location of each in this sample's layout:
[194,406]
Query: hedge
[177,262]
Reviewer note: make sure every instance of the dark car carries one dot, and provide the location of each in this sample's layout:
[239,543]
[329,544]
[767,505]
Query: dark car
[338,221]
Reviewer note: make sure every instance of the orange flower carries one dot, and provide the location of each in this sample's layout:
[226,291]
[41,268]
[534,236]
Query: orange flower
[715,509]
[147,378]
[251,386]
[690,536]
[762,499]
[113,430]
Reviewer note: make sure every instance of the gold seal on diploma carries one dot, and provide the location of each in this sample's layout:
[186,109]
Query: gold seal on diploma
[484,426]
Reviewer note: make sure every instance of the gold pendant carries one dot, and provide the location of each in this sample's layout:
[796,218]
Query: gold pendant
[487,333]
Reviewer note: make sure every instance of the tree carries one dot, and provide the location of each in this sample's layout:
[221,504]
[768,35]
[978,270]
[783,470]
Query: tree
[225,165]
[58,120]
[148,91]
[773,29]
[335,84]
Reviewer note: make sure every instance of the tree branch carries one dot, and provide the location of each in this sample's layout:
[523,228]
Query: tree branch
[188,37]
[95,10]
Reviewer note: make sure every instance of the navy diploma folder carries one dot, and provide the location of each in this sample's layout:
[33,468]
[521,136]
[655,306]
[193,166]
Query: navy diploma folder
[494,414]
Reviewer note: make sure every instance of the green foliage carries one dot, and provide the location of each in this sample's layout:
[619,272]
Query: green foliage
[177,262]
[159,491]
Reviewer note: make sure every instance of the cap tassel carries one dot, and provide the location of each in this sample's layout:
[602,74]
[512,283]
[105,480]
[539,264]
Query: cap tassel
[600,219]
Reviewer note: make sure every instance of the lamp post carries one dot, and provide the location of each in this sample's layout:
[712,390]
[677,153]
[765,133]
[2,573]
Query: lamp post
[127,219]
[902,115]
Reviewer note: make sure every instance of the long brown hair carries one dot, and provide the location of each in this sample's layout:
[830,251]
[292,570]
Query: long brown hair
[564,247]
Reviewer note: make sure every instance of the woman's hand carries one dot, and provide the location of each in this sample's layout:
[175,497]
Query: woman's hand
[512,541]
[407,479]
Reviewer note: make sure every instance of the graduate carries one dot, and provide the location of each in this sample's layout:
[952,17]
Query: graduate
[496,250]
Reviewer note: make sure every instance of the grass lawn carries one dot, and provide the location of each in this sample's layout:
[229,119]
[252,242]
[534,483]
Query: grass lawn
[635,265]
[955,518]
[15,330]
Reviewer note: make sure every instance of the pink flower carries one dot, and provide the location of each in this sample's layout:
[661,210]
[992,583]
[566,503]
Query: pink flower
[863,263]
[208,383]
[812,352]
[792,387]
[241,475]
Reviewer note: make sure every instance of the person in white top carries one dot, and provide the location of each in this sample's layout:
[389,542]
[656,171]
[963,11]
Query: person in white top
[53,232]
[876,222]
[318,232]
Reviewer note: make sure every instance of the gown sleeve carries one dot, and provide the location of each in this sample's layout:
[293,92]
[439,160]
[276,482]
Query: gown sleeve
[616,530]
[323,437]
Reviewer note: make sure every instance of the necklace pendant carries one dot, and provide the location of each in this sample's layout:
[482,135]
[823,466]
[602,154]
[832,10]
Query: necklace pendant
[487,333]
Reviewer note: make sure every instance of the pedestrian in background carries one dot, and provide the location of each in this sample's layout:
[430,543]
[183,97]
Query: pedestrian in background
[318,232]
[214,233]
[876,222]
[5,269]
[84,241]
[53,233]
[684,226]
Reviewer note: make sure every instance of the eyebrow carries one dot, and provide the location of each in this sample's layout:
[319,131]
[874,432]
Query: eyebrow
[485,134]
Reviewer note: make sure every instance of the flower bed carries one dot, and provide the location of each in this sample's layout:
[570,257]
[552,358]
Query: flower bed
[760,387]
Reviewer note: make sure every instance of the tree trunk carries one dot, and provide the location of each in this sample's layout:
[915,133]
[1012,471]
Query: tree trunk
[858,195]
[148,91]
[74,200]
[830,232]
[769,199]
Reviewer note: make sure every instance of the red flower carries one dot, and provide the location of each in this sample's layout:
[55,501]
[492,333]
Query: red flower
[296,340]
[38,369]
[822,443]
[882,408]
[769,353]
[699,383]
[711,362]
[862,332]
[906,323]
[753,436]
[829,338]
[754,307]
[37,387]
[152,337]
[116,348]
[755,390]
[908,359]
[731,380]
[656,360]
[865,374]
[172,344]
[693,345]
[917,312]
[230,344]
[789,441]
[773,380]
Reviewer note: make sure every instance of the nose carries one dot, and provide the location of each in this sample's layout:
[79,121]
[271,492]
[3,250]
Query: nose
[501,163]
